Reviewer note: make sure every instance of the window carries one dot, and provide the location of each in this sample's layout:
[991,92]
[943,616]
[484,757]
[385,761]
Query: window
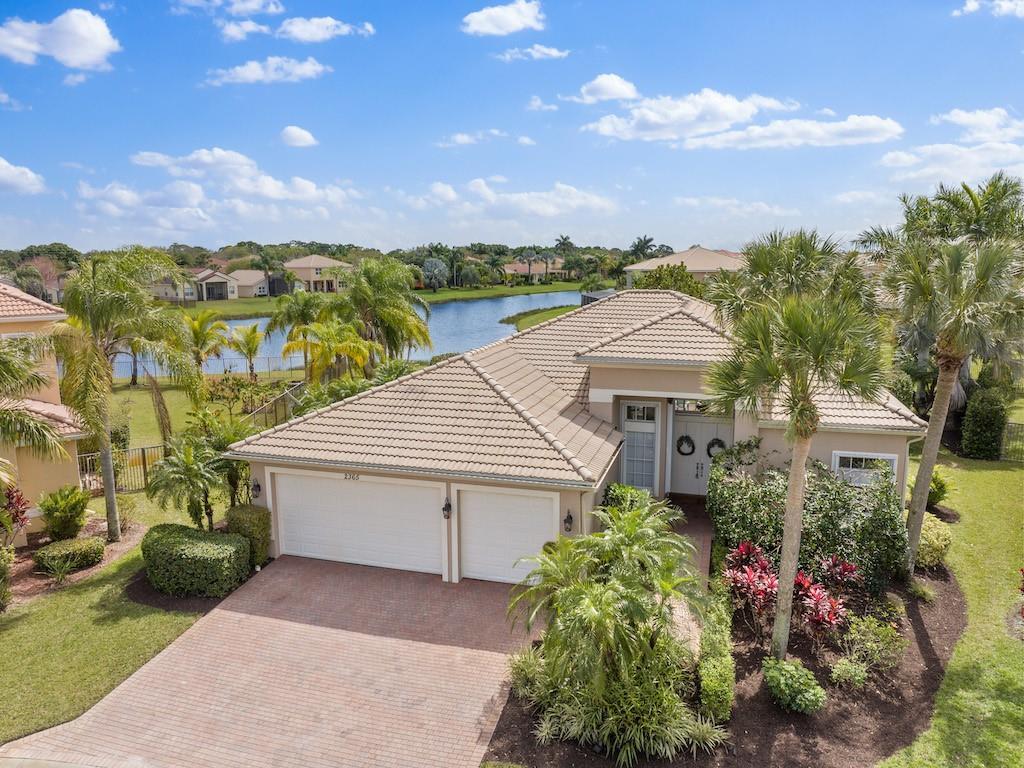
[861,468]
[640,455]
[641,413]
[317,271]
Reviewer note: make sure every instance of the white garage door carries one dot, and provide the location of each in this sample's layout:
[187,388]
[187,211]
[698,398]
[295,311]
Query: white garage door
[365,521]
[496,529]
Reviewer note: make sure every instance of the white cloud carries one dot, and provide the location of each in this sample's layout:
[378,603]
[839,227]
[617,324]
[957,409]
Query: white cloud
[504,19]
[855,129]
[294,136]
[253,7]
[77,39]
[235,31]
[826,112]
[995,7]
[952,163]
[526,141]
[320,29]
[274,69]
[20,179]
[605,87]
[668,118]
[560,200]
[75,78]
[983,124]
[439,194]
[536,104]
[734,207]
[535,52]
[179,206]
[463,139]
[10,103]
[859,196]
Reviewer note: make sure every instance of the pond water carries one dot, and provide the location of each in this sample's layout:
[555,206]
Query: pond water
[455,326]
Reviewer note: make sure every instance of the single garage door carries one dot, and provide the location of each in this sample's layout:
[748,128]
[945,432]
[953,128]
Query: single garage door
[366,521]
[496,529]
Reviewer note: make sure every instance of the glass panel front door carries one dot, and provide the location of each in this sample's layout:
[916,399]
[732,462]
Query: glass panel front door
[640,460]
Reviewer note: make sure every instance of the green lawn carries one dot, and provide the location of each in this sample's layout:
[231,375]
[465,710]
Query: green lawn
[142,417]
[979,710]
[530,319]
[1016,411]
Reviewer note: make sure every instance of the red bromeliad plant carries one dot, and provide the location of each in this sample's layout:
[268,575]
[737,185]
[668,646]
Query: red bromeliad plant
[840,576]
[754,585]
[13,514]
[823,615]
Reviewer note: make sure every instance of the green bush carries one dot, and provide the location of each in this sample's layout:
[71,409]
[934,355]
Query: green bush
[849,673]
[862,525]
[793,686]
[64,512]
[902,387]
[673,277]
[716,669]
[71,554]
[873,643]
[936,539]
[1002,382]
[184,561]
[938,490]
[254,523]
[624,496]
[127,511]
[984,424]
[6,561]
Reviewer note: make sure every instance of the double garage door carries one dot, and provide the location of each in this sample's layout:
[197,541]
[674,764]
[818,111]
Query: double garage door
[399,524]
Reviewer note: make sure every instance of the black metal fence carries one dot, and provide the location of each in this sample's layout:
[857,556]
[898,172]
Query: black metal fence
[1013,442]
[131,469]
[125,369]
[278,410]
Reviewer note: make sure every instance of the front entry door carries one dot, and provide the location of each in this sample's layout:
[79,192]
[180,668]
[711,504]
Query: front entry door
[640,457]
[690,469]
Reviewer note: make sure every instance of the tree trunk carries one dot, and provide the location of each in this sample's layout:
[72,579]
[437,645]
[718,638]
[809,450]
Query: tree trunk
[252,370]
[208,508]
[791,526]
[948,371]
[109,481]
[135,371]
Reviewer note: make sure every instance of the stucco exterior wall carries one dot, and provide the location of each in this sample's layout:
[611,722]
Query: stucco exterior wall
[36,476]
[606,381]
[49,392]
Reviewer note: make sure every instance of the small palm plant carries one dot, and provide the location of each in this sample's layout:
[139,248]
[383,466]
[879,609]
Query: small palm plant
[294,314]
[185,478]
[331,341]
[246,341]
[204,335]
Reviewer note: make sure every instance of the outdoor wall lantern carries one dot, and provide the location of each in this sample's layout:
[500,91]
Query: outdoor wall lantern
[446,510]
[256,488]
[567,522]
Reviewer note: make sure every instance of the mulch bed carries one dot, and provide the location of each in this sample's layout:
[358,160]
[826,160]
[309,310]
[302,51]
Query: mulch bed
[853,729]
[141,591]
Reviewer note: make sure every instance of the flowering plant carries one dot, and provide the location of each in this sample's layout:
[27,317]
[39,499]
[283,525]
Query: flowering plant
[13,513]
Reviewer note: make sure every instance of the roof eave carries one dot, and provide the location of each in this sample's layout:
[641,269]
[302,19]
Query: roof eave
[911,431]
[52,316]
[641,362]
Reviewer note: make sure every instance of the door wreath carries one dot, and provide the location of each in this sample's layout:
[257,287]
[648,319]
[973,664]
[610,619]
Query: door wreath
[685,446]
[715,446]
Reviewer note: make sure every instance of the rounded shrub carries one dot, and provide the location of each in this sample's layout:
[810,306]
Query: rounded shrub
[254,523]
[936,539]
[64,512]
[984,425]
[938,490]
[184,561]
[902,386]
[849,673]
[69,554]
[793,686]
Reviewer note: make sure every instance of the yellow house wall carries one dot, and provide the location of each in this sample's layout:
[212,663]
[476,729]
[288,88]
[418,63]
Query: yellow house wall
[49,392]
[36,476]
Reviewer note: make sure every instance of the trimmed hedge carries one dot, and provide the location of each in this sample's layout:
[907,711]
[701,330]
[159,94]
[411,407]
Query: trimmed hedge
[184,561]
[863,525]
[76,553]
[984,425]
[64,512]
[716,669]
[936,539]
[254,523]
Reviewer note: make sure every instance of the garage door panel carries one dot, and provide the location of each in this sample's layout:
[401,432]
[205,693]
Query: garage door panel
[498,529]
[368,522]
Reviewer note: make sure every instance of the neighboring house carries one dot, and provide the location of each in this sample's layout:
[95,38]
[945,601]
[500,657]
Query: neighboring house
[24,315]
[535,271]
[464,467]
[251,283]
[212,285]
[313,272]
[700,262]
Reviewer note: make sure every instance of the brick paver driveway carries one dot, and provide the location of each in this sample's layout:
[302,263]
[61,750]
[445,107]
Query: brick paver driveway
[310,664]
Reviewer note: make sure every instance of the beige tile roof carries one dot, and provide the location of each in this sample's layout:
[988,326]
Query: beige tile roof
[64,421]
[15,304]
[248,277]
[696,259]
[315,260]
[839,411]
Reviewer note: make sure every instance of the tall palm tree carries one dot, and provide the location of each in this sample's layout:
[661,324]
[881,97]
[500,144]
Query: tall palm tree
[564,245]
[268,264]
[20,377]
[642,248]
[246,341]
[294,314]
[528,257]
[969,300]
[204,334]
[548,258]
[110,308]
[330,341]
[186,477]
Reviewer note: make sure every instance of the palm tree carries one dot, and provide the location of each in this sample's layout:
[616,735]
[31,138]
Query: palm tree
[527,256]
[268,263]
[548,258]
[969,300]
[331,340]
[219,433]
[294,313]
[435,274]
[20,377]
[642,248]
[246,341]
[110,309]
[564,245]
[204,334]
[185,477]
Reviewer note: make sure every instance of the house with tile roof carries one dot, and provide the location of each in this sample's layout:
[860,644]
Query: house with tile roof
[316,273]
[466,466]
[700,262]
[24,315]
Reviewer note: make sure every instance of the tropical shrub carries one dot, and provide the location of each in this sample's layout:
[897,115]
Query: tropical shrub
[1002,381]
[13,515]
[936,539]
[902,387]
[127,511]
[185,561]
[754,586]
[254,523]
[860,525]
[716,669]
[938,490]
[70,554]
[64,512]
[849,673]
[793,686]
[674,277]
[984,425]
[6,561]
[821,614]
[873,643]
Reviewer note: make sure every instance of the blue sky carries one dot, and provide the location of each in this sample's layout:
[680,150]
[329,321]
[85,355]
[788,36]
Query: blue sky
[392,124]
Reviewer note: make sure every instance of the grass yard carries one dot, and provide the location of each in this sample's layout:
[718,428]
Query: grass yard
[530,319]
[1015,412]
[979,717]
[139,405]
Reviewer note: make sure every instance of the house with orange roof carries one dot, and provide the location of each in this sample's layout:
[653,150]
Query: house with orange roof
[699,261]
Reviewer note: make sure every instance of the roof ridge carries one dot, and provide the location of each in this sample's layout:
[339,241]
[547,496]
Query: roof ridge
[28,298]
[637,326]
[578,466]
[903,412]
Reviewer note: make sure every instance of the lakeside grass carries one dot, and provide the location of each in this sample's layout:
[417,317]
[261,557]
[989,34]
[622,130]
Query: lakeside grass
[524,320]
